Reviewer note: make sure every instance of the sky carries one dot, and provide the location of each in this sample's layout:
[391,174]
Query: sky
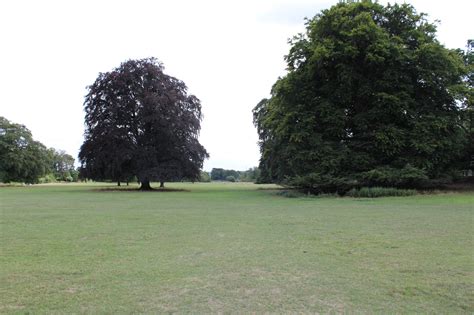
[229,54]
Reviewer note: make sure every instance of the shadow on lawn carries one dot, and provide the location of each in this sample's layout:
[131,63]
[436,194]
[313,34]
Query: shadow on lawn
[162,190]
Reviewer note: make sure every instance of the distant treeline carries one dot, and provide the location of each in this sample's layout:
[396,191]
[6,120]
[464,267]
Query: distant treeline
[24,160]
[250,175]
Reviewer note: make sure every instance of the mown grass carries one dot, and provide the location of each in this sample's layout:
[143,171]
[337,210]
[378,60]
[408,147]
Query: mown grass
[232,248]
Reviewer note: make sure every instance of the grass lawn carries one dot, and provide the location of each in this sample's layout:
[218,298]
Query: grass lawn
[232,248]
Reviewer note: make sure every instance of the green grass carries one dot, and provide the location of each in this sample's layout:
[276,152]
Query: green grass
[232,248]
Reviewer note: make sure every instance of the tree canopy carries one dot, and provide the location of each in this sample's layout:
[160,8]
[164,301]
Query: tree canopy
[61,165]
[370,98]
[250,175]
[22,159]
[141,122]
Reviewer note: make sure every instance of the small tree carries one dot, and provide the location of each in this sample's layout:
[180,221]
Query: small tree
[205,177]
[61,164]
[230,178]
[250,175]
[141,122]
[217,174]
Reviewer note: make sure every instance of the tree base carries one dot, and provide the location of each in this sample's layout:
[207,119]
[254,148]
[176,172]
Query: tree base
[145,185]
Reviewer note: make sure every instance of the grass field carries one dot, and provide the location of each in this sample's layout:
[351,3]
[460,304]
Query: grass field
[232,248]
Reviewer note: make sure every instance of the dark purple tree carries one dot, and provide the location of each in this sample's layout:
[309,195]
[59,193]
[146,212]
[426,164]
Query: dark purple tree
[141,122]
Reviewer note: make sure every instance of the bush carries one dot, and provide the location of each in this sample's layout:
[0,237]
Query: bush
[204,177]
[374,192]
[315,183]
[290,194]
[293,193]
[48,178]
[406,177]
[230,178]
[74,175]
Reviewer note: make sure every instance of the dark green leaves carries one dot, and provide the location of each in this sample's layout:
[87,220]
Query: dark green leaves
[369,88]
[21,158]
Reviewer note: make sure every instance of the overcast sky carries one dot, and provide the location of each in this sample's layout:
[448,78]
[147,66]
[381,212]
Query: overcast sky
[229,53]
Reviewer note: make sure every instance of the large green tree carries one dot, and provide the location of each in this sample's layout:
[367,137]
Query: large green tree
[141,122]
[22,159]
[370,98]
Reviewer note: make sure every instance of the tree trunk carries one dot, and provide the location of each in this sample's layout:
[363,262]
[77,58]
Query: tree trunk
[127,182]
[145,185]
[118,183]
[162,184]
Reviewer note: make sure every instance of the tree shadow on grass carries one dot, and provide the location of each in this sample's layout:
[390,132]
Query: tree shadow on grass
[140,190]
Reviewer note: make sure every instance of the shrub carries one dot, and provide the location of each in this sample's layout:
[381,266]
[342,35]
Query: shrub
[290,193]
[48,178]
[406,177]
[293,193]
[205,177]
[315,183]
[374,192]
[74,175]
[230,178]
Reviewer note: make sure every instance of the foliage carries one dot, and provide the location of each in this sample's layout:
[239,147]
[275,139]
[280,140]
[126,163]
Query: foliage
[467,90]
[408,176]
[290,194]
[222,174]
[371,97]
[22,159]
[249,175]
[217,174]
[205,177]
[48,178]
[316,183]
[374,192]
[141,122]
[230,178]
[74,174]
[62,165]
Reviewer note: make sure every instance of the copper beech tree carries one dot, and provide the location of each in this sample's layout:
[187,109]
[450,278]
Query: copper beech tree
[141,123]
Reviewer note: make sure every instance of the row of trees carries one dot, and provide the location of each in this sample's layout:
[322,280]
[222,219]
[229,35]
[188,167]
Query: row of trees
[250,175]
[371,98]
[22,159]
